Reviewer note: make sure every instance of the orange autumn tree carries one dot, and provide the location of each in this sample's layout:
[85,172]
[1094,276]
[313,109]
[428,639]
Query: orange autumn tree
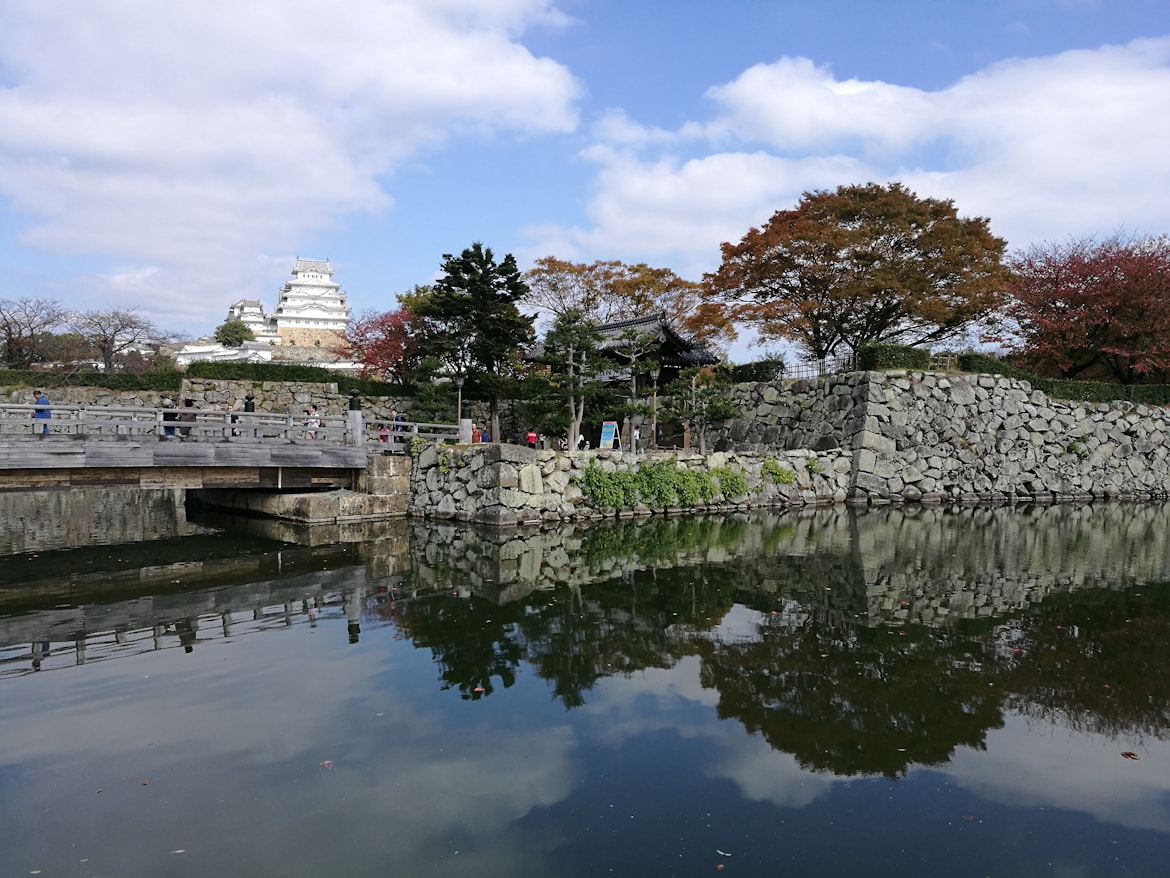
[862,264]
[607,291]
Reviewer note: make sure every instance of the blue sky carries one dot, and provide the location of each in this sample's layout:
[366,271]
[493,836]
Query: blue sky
[175,157]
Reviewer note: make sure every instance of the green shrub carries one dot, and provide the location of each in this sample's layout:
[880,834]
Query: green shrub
[781,475]
[657,484]
[875,357]
[814,466]
[731,482]
[694,487]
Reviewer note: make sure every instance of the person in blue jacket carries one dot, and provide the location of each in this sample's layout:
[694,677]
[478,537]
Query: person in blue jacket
[41,413]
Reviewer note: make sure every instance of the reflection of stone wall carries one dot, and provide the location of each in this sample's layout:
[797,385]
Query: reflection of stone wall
[510,484]
[40,521]
[933,437]
[889,565]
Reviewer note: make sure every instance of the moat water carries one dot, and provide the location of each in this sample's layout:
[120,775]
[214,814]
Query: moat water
[897,692]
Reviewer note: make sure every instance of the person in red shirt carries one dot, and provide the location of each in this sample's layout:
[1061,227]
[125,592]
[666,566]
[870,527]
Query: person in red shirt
[531,438]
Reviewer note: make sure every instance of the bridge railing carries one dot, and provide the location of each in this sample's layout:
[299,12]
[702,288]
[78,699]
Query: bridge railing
[396,437]
[190,424]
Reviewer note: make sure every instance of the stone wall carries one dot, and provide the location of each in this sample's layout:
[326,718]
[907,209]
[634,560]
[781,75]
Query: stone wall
[510,484]
[930,437]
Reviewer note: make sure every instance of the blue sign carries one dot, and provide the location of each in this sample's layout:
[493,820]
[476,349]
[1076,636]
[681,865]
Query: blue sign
[608,433]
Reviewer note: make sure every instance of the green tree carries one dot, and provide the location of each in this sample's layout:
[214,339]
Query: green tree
[576,366]
[863,264]
[699,399]
[233,333]
[470,322]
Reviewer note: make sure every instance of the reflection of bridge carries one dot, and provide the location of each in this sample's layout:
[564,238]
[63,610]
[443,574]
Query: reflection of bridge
[188,448]
[251,594]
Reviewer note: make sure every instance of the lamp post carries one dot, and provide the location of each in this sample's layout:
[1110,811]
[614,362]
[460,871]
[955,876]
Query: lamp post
[654,373]
[458,380]
[464,437]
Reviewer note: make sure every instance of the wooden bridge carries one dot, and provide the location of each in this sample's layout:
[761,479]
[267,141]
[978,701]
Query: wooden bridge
[192,448]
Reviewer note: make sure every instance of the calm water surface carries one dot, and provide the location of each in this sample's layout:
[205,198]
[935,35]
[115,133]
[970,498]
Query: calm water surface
[897,692]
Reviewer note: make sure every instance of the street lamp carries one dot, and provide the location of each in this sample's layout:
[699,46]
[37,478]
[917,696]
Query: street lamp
[458,379]
[654,373]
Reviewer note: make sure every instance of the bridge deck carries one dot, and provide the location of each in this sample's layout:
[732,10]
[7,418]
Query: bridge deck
[105,445]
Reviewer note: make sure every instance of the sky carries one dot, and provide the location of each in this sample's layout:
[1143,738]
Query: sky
[177,157]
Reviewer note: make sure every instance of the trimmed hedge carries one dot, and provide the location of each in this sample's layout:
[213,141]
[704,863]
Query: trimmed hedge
[764,370]
[1059,388]
[875,357]
[156,379]
[294,373]
[985,364]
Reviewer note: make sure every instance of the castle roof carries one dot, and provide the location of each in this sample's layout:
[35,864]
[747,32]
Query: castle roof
[321,265]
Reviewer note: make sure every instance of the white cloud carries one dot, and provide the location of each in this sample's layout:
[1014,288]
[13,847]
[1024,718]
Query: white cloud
[1070,144]
[1023,768]
[186,135]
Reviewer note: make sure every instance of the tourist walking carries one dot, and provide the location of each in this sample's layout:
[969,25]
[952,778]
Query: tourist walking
[41,413]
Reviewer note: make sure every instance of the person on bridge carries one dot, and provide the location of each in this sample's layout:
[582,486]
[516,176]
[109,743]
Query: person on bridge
[187,416]
[41,413]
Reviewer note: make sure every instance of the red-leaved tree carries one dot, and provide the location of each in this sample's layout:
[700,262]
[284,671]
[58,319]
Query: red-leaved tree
[1090,309]
[383,343]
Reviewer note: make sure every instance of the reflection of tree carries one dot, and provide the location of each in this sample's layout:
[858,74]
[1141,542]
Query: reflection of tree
[472,641]
[822,676]
[1096,661]
[854,700]
[576,637]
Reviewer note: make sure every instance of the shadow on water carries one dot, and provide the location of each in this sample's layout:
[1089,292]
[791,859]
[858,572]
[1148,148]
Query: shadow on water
[860,642]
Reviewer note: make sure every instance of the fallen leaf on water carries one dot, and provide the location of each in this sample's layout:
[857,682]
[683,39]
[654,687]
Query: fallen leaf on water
[479,688]
[146,783]
[96,792]
[328,763]
[1129,754]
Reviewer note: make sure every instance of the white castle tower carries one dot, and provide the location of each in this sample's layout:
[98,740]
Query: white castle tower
[310,311]
[311,307]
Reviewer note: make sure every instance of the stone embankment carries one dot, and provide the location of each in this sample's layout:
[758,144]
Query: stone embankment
[930,437]
[865,438]
[510,484]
